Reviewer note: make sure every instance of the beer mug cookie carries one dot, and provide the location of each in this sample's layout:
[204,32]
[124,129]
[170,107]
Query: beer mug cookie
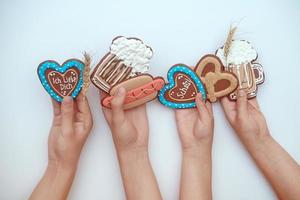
[241,61]
[127,65]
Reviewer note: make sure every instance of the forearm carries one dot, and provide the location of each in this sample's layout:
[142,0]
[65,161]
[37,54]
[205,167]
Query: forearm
[196,173]
[55,184]
[277,165]
[138,177]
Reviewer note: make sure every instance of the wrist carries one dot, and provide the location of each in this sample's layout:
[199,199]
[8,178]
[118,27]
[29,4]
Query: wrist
[197,146]
[255,138]
[133,155]
[60,167]
[198,151]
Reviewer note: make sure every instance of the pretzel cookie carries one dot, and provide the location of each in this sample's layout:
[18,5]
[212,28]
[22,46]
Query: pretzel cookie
[217,81]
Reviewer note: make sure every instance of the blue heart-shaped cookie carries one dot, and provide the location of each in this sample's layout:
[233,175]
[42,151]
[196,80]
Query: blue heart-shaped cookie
[184,84]
[61,80]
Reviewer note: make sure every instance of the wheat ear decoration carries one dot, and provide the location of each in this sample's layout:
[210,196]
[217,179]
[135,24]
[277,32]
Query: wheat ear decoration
[86,73]
[228,42]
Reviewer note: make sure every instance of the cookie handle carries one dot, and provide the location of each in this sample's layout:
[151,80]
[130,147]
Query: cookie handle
[259,73]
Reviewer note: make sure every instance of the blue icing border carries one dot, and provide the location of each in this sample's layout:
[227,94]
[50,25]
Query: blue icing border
[50,64]
[186,70]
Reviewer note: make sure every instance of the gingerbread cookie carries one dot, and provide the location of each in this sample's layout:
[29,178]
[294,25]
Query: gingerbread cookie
[218,83]
[183,86]
[61,80]
[241,61]
[140,90]
[126,65]
[127,58]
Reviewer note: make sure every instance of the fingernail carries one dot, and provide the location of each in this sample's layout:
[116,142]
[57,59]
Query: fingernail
[121,91]
[67,100]
[242,93]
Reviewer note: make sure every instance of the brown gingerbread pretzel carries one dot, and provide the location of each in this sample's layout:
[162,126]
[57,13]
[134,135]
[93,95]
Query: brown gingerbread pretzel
[217,81]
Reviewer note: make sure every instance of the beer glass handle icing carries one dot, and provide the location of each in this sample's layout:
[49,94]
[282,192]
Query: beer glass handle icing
[259,73]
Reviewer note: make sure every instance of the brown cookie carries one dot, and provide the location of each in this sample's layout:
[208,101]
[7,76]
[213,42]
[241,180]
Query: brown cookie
[241,62]
[128,57]
[61,80]
[217,81]
[182,88]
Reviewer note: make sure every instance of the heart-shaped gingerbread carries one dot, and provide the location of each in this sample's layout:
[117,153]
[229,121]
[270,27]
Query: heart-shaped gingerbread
[60,81]
[182,88]
[218,82]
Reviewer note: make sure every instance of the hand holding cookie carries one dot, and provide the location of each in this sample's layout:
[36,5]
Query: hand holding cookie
[195,125]
[130,133]
[245,117]
[129,128]
[72,123]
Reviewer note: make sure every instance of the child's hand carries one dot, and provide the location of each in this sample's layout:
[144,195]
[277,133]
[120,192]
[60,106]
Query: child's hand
[277,165]
[71,126]
[245,117]
[195,125]
[129,128]
[72,123]
[130,134]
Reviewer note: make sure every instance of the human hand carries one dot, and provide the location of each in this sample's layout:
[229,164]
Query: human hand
[195,125]
[280,169]
[245,117]
[130,134]
[72,123]
[129,128]
[71,126]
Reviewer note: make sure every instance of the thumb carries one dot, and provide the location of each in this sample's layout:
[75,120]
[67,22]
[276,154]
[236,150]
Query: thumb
[117,106]
[67,111]
[242,103]
[201,107]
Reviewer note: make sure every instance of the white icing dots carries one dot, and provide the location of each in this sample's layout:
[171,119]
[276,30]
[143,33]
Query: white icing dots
[240,52]
[133,52]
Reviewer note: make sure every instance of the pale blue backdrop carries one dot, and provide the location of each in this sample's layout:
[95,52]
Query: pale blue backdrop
[179,32]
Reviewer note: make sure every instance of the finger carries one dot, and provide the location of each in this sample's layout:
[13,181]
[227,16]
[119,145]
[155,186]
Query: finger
[209,108]
[84,108]
[67,110]
[102,94]
[106,111]
[254,103]
[83,104]
[201,107]
[229,108]
[56,107]
[242,101]
[227,105]
[117,106]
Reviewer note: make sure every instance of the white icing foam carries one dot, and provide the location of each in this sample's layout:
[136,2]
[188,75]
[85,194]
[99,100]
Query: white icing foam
[133,52]
[240,52]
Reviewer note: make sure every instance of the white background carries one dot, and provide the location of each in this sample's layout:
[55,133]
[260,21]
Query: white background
[178,31]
